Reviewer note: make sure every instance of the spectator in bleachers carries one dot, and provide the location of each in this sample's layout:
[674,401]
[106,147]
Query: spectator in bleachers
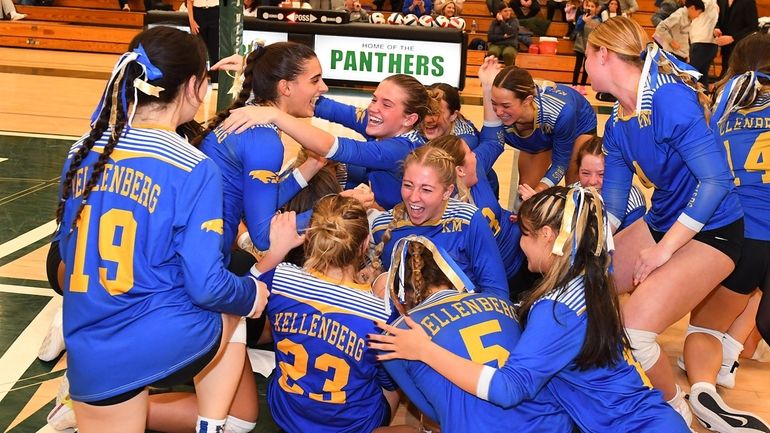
[556,5]
[395,5]
[629,7]
[673,33]
[611,10]
[250,8]
[586,23]
[528,13]
[703,49]
[448,9]
[737,19]
[665,9]
[357,13]
[418,7]
[503,36]
[572,12]
[438,7]
[7,9]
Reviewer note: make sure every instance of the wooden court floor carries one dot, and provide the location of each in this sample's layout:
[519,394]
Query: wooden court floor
[43,109]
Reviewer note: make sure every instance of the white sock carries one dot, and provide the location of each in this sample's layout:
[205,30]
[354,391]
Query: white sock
[237,425]
[731,350]
[208,425]
[703,387]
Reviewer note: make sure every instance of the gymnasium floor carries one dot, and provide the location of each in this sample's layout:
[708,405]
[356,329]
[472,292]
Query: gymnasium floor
[42,111]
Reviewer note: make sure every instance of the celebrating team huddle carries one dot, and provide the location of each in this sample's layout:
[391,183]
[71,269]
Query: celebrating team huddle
[387,270]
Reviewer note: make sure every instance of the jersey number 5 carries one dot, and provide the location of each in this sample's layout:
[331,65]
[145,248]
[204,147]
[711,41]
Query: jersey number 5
[291,373]
[472,338]
[116,239]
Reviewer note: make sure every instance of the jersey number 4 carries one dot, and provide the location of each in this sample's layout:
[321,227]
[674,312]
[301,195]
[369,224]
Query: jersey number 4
[291,373]
[757,159]
[116,240]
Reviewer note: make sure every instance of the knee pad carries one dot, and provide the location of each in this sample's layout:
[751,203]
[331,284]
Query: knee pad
[644,346]
[691,329]
[239,335]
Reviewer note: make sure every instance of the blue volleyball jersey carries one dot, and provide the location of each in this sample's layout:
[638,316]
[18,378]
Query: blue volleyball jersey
[481,328]
[746,137]
[561,115]
[382,157]
[669,146]
[250,163]
[506,232]
[465,129]
[463,233]
[618,398]
[326,379]
[144,280]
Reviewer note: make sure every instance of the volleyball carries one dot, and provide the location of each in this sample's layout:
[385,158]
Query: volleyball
[377,18]
[457,23]
[426,21]
[395,18]
[441,21]
[409,20]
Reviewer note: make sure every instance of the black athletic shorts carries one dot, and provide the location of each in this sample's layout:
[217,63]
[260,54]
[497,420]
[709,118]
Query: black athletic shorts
[181,376]
[727,239]
[752,270]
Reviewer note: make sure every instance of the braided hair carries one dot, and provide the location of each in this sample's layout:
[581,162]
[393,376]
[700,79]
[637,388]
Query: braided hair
[178,56]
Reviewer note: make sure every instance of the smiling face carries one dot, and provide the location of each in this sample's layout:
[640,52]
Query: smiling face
[423,194]
[450,10]
[612,6]
[508,107]
[303,91]
[387,114]
[439,124]
[591,171]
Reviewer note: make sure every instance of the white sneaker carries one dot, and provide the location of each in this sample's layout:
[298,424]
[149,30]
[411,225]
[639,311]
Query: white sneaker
[62,416]
[15,16]
[679,403]
[53,344]
[725,377]
[714,414]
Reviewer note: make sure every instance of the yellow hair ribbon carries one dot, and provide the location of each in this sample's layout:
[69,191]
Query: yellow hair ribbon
[566,225]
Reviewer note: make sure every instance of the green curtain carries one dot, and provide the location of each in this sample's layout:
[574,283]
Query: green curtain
[230,42]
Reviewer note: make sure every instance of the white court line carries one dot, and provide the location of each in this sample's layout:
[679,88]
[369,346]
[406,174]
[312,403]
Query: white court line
[27,238]
[34,135]
[24,290]
[17,359]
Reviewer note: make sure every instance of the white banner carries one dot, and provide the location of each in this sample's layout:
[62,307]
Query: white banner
[374,59]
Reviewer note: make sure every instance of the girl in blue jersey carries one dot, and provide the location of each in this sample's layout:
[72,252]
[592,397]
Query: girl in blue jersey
[140,232]
[398,105]
[326,379]
[286,76]
[472,166]
[547,122]
[445,119]
[573,343]
[691,237]
[430,178]
[590,162]
[739,122]
[426,286]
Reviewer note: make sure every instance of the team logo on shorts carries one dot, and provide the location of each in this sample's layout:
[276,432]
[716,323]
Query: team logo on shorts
[215,225]
[264,176]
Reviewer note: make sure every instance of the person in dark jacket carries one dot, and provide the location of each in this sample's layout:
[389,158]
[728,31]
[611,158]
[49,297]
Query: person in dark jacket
[503,35]
[737,19]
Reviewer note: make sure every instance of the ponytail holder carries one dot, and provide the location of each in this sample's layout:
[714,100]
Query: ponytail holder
[151,72]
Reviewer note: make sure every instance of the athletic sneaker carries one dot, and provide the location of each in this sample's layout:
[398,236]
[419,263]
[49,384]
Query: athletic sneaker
[679,403]
[725,377]
[62,416]
[53,344]
[714,414]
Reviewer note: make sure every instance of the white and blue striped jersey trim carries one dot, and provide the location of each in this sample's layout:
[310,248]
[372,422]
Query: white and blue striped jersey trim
[550,107]
[153,143]
[635,199]
[463,127]
[296,283]
[455,209]
[573,296]
[222,135]
[413,136]
[435,298]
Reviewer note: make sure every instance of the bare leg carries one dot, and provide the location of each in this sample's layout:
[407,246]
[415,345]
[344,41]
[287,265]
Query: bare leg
[703,352]
[744,325]
[532,167]
[127,417]
[217,383]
